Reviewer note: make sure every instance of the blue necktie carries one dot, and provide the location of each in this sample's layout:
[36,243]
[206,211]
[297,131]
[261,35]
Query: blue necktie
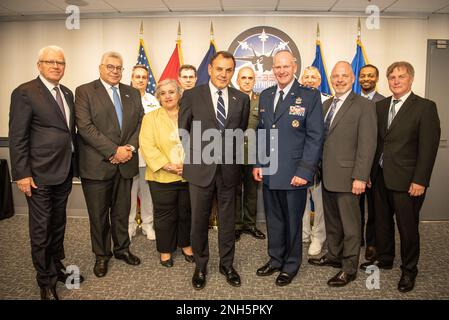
[118,106]
[330,115]
[221,111]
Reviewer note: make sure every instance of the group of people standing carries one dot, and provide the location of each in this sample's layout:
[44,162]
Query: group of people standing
[128,144]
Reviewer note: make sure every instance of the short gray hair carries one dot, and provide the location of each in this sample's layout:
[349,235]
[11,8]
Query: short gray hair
[165,82]
[312,68]
[44,50]
[111,54]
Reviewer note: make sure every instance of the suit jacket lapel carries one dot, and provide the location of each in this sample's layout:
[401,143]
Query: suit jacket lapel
[125,97]
[232,104]
[407,103]
[270,108]
[345,107]
[47,95]
[107,103]
[69,99]
[209,105]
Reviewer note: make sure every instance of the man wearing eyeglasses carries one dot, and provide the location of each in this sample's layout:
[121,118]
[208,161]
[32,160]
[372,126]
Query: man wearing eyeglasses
[42,148]
[108,116]
[187,76]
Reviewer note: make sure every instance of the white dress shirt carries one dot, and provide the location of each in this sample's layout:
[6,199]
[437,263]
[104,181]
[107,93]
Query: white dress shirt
[214,95]
[285,90]
[339,104]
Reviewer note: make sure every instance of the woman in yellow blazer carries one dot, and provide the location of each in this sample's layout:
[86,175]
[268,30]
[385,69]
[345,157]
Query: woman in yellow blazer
[163,153]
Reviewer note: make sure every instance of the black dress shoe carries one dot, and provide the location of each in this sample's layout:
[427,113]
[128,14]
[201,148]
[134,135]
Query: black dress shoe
[323,261]
[232,277]
[284,279]
[129,258]
[256,233]
[49,294]
[198,279]
[266,270]
[101,267]
[407,283]
[377,263]
[238,234]
[63,276]
[370,253]
[341,279]
[167,263]
[188,257]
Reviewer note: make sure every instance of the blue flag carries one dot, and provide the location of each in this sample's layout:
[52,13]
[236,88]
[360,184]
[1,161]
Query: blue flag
[358,62]
[321,66]
[203,74]
[143,59]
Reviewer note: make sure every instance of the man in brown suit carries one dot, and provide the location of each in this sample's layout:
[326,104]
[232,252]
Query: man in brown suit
[348,152]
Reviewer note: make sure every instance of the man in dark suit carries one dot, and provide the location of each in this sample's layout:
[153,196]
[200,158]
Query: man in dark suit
[108,115]
[368,78]
[407,144]
[348,152]
[295,113]
[213,107]
[42,148]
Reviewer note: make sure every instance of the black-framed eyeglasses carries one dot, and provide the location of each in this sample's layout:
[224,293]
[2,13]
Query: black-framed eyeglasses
[53,62]
[112,68]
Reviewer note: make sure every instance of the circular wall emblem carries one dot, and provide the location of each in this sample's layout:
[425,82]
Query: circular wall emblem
[255,48]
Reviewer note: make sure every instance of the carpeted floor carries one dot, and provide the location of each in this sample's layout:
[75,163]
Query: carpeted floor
[151,281]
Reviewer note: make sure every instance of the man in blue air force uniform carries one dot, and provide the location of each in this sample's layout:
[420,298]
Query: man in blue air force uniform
[296,112]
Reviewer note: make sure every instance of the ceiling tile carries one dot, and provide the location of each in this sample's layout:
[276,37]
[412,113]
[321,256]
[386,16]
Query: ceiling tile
[193,5]
[305,5]
[260,5]
[418,6]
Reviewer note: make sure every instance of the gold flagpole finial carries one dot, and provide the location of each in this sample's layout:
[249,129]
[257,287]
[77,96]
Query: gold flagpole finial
[359,30]
[141,29]
[318,31]
[211,31]
[179,31]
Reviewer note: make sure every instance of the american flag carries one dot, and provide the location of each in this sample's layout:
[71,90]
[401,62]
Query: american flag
[143,59]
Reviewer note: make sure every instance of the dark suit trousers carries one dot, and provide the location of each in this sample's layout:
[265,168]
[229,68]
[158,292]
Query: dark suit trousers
[108,203]
[386,204]
[201,201]
[248,188]
[369,234]
[172,215]
[343,228]
[284,210]
[47,220]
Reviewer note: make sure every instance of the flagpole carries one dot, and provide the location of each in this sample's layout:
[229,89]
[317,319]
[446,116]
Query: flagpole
[141,30]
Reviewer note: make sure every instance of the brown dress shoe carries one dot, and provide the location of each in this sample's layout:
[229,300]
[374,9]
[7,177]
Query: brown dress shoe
[370,253]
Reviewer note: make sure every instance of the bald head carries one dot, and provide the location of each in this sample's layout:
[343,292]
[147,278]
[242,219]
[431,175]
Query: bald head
[342,78]
[246,80]
[284,68]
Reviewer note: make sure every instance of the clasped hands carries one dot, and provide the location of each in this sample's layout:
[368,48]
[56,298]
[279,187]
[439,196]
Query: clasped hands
[122,155]
[173,168]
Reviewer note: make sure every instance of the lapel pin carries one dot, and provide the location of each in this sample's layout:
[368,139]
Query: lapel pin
[127,95]
[234,98]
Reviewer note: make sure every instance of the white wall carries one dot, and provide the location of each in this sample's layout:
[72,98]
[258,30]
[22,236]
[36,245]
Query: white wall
[397,39]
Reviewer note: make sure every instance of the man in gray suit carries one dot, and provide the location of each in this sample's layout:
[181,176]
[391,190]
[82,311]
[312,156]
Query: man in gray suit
[108,115]
[350,129]
[368,78]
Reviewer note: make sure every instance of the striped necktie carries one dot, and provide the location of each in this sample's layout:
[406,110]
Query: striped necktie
[221,111]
